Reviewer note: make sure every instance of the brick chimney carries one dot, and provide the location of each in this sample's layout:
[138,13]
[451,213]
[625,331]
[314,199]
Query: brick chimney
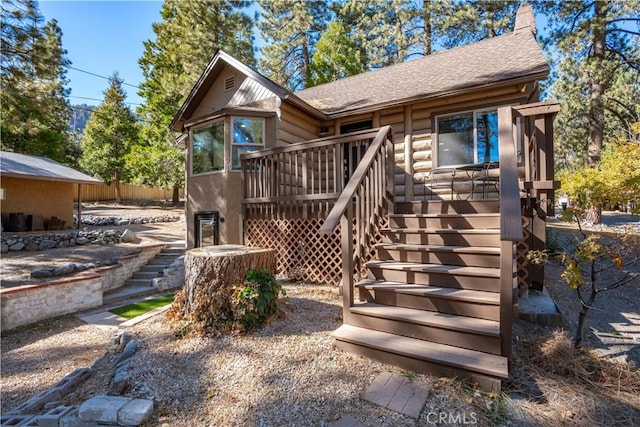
[525,19]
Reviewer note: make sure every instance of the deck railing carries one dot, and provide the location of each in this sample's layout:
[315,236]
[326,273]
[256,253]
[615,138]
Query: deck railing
[301,180]
[532,123]
[363,202]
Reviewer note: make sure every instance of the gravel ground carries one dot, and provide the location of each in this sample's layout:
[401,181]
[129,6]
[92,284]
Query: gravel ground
[288,373]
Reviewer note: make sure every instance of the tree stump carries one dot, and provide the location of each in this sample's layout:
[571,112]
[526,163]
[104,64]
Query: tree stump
[210,274]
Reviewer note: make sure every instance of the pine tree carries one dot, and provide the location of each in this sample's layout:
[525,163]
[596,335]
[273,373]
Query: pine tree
[109,137]
[35,110]
[291,30]
[335,57]
[469,21]
[588,35]
[188,35]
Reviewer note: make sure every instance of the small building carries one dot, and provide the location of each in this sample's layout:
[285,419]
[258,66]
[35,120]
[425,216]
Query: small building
[36,189]
[418,188]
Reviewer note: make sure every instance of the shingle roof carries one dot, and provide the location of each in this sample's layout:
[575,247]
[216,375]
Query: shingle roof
[33,167]
[485,63]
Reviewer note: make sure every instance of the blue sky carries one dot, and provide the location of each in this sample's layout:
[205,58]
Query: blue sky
[102,37]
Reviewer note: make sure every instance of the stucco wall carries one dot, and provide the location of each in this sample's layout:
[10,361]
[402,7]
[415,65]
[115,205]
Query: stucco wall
[216,191]
[40,198]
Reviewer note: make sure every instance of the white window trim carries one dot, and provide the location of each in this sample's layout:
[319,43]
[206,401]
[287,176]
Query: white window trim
[232,143]
[191,131]
[435,147]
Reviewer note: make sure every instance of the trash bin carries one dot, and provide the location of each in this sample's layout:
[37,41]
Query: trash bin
[17,222]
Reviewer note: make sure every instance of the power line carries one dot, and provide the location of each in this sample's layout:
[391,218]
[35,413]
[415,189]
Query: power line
[96,99]
[98,75]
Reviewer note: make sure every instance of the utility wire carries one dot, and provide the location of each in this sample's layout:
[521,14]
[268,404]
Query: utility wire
[98,75]
[96,99]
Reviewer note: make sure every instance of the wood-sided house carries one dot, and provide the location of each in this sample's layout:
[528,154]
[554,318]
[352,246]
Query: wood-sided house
[440,169]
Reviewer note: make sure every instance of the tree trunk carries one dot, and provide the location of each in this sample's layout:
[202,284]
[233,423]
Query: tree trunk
[427,39]
[116,184]
[175,197]
[210,274]
[596,104]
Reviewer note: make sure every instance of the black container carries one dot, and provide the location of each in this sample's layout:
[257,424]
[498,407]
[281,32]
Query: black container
[17,222]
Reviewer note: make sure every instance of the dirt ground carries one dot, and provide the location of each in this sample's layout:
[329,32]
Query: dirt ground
[16,267]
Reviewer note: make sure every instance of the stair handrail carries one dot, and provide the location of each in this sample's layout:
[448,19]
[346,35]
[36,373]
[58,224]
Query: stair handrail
[370,187]
[510,211]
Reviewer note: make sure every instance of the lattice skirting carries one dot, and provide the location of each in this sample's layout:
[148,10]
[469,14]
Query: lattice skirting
[522,247]
[302,252]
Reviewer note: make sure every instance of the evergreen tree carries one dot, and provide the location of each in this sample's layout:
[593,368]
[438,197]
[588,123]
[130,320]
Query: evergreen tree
[109,137]
[469,21]
[188,35]
[589,36]
[335,57]
[33,99]
[291,29]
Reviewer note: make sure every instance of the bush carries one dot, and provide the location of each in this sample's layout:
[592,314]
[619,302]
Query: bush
[255,302]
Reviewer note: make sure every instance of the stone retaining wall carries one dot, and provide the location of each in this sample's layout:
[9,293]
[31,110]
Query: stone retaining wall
[22,305]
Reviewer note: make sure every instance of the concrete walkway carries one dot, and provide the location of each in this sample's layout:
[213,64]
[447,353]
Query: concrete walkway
[102,318]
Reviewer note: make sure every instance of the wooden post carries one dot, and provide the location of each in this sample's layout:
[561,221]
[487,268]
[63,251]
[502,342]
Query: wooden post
[346,224]
[79,225]
[508,295]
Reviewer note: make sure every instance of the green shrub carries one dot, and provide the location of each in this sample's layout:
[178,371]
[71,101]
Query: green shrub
[256,300]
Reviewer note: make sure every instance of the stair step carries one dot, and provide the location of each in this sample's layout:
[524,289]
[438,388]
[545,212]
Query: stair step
[424,357]
[452,322]
[476,256]
[147,275]
[176,251]
[463,302]
[126,292]
[445,221]
[152,268]
[443,237]
[453,276]
[138,282]
[448,206]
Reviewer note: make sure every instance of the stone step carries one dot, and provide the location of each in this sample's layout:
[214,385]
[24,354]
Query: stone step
[138,282]
[127,292]
[146,275]
[152,268]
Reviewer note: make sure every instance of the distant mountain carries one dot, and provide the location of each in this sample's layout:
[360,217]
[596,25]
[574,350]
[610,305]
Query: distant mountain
[80,117]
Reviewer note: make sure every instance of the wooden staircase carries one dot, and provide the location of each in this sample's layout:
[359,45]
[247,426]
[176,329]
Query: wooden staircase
[431,303]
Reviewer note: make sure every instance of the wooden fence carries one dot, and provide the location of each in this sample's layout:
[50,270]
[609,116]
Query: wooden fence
[100,192]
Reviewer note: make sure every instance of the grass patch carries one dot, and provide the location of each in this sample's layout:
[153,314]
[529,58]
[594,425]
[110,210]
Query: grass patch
[136,309]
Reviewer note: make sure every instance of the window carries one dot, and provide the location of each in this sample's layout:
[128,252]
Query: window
[208,148]
[248,136]
[466,138]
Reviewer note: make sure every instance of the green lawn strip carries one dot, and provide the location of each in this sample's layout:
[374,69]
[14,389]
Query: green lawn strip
[136,309]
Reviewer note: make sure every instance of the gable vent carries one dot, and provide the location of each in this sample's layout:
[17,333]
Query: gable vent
[230,83]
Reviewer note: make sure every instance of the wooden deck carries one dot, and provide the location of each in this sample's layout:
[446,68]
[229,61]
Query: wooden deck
[440,294]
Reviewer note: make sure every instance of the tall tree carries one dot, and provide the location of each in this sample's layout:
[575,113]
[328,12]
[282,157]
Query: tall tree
[336,56]
[469,21]
[592,35]
[188,35]
[110,136]
[34,106]
[387,31]
[291,29]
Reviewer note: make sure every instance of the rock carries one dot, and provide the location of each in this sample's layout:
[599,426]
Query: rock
[124,221]
[82,240]
[128,236]
[135,412]
[47,244]
[64,269]
[17,247]
[4,249]
[41,274]
[102,409]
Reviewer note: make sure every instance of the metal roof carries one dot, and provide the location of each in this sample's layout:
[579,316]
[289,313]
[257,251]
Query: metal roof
[33,167]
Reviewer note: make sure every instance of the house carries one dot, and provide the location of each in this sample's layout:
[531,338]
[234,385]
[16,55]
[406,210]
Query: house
[441,169]
[37,189]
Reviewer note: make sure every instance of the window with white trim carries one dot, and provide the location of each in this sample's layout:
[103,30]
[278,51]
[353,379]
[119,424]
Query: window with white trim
[207,148]
[467,138]
[247,134]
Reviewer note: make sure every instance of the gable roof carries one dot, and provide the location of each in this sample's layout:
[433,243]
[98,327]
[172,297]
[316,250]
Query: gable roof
[508,59]
[490,62]
[212,72]
[33,167]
